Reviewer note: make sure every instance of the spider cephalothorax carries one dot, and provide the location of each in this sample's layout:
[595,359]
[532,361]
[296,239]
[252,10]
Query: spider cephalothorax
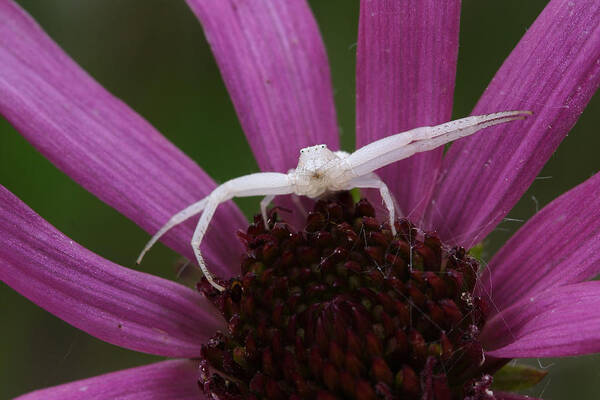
[320,171]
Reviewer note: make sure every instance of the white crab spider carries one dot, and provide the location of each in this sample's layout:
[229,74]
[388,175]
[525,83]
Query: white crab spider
[320,171]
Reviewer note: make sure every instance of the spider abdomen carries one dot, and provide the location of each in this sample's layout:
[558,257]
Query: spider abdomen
[311,183]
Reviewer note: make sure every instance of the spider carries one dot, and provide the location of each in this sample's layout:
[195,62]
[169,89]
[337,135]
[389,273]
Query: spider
[322,171]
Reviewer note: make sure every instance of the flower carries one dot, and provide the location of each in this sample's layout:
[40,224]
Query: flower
[281,90]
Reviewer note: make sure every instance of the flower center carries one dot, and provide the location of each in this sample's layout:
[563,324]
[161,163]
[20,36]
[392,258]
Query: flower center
[344,309]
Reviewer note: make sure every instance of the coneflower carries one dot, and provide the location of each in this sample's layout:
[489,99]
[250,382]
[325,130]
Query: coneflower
[332,306]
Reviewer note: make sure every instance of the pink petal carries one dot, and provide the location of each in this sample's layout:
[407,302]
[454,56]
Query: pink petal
[118,305]
[558,246]
[553,71]
[406,66]
[174,379]
[562,321]
[274,65]
[100,142]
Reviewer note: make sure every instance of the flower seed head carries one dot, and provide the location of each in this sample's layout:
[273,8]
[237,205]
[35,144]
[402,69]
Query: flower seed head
[345,309]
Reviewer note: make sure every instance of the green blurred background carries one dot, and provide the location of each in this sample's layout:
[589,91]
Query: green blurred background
[152,54]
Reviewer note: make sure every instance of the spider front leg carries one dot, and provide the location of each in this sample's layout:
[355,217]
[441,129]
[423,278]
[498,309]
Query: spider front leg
[264,183]
[396,147]
[211,206]
[372,181]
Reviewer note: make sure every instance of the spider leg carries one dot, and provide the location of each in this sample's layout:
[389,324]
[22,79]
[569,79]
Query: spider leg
[263,183]
[403,145]
[175,220]
[373,181]
[201,227]
[296,199]
[264,203]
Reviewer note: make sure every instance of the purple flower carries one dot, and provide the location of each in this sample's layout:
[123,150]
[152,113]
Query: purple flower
[274,65]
